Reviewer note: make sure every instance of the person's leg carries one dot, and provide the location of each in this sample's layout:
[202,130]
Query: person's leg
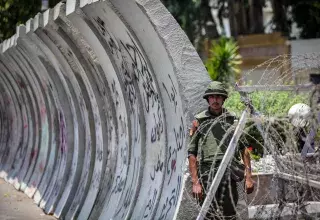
[230,200]
[223,205]
[212,211]
[216,209]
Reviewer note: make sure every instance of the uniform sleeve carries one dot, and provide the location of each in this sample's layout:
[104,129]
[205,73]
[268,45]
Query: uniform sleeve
[193,139]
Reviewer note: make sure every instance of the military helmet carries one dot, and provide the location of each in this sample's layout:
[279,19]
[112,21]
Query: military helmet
[215,88]
[299,115]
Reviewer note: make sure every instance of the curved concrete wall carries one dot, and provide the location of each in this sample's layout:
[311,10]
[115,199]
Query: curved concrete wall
[95,103]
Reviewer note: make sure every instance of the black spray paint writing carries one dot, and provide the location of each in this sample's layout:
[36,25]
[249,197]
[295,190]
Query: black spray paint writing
[150,204]
[172,93]
[157,129]
[171,201]
[142,73]
[157,168]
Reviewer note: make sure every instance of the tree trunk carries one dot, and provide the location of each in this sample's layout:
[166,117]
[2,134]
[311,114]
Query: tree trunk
[206,20]
[53,3]
[280,20]
[256,16]
[238,17]
[243,18]
[232,19]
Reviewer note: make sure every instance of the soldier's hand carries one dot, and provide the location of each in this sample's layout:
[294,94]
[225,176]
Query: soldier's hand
[249,185]
[197,190]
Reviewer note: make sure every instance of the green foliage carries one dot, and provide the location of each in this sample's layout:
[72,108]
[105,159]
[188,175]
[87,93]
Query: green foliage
[255,157]
[193,15]
[277,130]
[15,12]
[274,104]
[186,12]
[224,61]
[195,18]
[307,16]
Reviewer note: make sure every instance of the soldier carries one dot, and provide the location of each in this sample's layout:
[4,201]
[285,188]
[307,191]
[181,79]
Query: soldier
[210,135]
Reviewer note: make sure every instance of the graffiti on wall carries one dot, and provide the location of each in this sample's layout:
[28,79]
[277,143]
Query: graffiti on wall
[92,107]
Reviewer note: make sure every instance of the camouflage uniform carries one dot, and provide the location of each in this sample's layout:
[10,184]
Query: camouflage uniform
[210,137]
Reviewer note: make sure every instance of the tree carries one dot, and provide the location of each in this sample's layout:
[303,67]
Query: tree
[53,3]
[280,16]
[186,14]
[207,24]
[223,63]
[245,16]
[256,16]
[15,12]
[307,16]
[195,18]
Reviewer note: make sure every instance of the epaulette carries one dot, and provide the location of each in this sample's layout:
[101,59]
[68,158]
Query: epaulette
[194,127]
[198,119]
[202,115]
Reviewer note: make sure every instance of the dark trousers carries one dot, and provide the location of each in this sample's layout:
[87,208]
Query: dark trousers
[225,201]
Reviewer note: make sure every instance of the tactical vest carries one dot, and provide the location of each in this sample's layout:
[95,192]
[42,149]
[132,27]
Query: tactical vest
[212,136]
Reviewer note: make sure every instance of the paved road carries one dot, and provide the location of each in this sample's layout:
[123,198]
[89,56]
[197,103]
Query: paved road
[15,205]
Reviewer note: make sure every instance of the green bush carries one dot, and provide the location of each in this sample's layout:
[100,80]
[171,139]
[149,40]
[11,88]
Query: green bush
[274,106]
[224,60]
[270,103]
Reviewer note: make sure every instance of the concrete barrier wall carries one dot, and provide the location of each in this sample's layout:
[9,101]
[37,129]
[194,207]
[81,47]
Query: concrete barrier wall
[96,99]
